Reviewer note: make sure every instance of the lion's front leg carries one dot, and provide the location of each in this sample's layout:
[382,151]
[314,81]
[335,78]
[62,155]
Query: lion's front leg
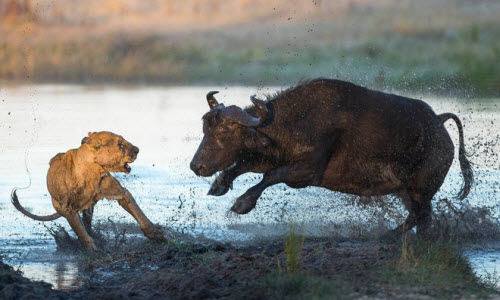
[151,231]
[111,189]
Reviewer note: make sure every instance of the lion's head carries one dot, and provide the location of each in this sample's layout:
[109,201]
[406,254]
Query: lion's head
[111,151]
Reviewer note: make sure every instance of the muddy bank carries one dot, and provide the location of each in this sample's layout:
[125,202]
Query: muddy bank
[288,266]
[291,267]
[326,268]
[14,286]
[298,268]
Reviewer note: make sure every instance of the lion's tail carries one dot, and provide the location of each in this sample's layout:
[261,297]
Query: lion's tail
[18,206]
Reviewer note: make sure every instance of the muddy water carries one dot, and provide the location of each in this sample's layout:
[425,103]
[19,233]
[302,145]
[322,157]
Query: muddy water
[36,122]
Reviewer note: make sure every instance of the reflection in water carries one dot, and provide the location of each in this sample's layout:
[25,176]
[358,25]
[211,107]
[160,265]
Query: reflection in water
[63,275]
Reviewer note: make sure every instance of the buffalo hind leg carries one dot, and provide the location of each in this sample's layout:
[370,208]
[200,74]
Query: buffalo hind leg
[298,175]
[83,236]
[428,178]
[421,191]
[422,208]
[410,222]
[419,214]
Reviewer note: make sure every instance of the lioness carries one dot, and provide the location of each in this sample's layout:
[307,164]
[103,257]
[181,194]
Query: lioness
[80,177]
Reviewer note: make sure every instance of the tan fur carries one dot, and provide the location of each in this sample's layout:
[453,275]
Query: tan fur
[80,177]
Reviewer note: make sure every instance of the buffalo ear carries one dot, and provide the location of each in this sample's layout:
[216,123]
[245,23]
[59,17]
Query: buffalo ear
[255,139]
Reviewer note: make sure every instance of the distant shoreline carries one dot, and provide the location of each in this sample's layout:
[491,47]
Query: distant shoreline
[460,94]
[425,51]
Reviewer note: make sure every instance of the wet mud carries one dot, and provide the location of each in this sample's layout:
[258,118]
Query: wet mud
[131,267]
[13,285]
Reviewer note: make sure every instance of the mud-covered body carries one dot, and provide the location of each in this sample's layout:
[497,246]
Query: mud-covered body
[360,141]
[346,138]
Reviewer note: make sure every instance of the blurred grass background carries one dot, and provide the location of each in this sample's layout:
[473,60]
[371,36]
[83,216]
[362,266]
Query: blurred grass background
[447,47]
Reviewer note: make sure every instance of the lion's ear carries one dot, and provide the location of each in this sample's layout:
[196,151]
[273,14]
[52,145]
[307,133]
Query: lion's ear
[92,141]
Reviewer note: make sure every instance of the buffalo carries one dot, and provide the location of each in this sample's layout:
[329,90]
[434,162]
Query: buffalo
[336,135]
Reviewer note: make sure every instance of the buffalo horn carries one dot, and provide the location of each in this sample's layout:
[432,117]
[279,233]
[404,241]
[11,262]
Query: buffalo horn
[212,102]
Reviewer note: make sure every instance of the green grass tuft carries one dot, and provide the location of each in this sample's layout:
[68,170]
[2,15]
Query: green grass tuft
[438,266]
[294,243]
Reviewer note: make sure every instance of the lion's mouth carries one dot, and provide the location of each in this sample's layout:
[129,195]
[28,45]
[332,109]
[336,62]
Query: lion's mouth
[127,168]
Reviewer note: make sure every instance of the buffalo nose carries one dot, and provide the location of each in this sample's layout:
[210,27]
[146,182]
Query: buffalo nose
[198,169]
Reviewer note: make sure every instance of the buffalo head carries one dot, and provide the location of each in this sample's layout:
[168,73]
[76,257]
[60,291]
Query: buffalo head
[228,132]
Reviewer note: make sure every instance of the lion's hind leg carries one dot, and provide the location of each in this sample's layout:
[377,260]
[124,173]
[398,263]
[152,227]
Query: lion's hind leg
[87,215]
[77,226]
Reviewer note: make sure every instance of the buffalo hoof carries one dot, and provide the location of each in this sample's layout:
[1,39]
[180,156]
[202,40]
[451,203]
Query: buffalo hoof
[244,204]
[219,187]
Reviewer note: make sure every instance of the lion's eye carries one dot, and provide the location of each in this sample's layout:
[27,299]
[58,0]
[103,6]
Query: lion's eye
[121,146]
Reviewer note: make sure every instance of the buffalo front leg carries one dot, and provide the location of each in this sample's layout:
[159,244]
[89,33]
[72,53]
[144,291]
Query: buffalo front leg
[224,181]
[294,175]
[148,228]
[83,236]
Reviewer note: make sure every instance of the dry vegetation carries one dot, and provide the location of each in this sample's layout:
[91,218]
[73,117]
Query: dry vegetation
[447,46]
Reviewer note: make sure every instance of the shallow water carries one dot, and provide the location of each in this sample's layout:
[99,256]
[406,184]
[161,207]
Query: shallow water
[36,122]
[486,263]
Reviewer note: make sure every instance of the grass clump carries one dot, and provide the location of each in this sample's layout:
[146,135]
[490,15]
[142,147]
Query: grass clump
[296,283]
[438,267]
[294,243]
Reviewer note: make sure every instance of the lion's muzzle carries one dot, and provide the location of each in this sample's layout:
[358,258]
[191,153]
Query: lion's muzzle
[132,156]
